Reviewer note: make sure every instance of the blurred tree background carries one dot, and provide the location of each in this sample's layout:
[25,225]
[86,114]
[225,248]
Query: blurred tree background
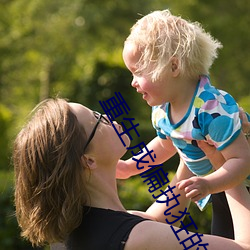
[72,48]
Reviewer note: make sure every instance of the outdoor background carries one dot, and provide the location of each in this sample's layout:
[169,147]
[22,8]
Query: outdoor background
[72,48]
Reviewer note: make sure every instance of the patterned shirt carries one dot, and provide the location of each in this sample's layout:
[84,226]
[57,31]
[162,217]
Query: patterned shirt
[213,115]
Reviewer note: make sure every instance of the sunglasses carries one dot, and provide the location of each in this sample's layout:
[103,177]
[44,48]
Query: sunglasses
[100,118]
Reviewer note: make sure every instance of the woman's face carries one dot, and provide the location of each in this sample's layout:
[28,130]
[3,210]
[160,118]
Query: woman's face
[105,142]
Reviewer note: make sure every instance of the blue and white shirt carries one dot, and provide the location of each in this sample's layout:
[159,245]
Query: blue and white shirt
[213,115]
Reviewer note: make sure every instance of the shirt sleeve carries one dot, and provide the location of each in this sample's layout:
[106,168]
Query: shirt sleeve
[219,120]
[159,121]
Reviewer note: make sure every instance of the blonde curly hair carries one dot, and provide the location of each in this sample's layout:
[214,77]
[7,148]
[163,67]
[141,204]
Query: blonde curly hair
[160,36]
[49,180]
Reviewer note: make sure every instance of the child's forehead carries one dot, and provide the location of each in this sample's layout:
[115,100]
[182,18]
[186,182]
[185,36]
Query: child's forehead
[131,52]
[132,48]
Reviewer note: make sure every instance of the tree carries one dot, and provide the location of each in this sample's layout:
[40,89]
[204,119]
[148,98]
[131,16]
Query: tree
[72,48]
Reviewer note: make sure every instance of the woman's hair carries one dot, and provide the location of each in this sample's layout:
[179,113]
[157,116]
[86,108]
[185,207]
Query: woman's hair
[160,36]
[49,180]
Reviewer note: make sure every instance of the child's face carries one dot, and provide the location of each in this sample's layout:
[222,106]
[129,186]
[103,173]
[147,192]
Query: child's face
[152,92]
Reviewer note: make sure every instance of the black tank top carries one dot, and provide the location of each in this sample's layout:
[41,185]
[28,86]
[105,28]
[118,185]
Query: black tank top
[102,229]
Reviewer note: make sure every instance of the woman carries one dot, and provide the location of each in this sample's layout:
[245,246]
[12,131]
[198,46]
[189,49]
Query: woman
[65,187]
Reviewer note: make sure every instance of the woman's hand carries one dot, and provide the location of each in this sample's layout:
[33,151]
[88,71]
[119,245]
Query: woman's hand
[215,157]
[245,124]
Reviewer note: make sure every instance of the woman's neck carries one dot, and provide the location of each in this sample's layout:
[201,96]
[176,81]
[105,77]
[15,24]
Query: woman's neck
[102,189]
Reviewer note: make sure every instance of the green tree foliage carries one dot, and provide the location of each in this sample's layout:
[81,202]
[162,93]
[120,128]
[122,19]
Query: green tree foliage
[228,21]
[5,123]
[74,48]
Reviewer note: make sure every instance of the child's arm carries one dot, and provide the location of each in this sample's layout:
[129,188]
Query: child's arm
[163,149]
[234,171]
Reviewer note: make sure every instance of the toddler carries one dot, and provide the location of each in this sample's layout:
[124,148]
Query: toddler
[170,59]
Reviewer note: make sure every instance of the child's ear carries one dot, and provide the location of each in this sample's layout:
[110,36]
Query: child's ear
[175,66]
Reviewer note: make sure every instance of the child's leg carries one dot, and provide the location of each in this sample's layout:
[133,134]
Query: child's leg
[157,210]
[222,224]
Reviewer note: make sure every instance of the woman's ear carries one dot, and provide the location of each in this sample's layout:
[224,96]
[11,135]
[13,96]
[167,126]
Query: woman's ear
[90,161]
[175,66]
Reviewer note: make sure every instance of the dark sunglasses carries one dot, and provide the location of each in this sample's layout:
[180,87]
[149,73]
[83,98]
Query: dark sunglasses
[100,118]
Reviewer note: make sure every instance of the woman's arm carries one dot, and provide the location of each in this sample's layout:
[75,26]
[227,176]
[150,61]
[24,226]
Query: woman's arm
[159,236]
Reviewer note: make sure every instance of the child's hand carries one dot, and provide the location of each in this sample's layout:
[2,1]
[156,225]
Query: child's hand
[122,171]
[194,187]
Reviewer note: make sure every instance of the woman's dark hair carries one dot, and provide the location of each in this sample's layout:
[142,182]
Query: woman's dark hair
[49,180]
